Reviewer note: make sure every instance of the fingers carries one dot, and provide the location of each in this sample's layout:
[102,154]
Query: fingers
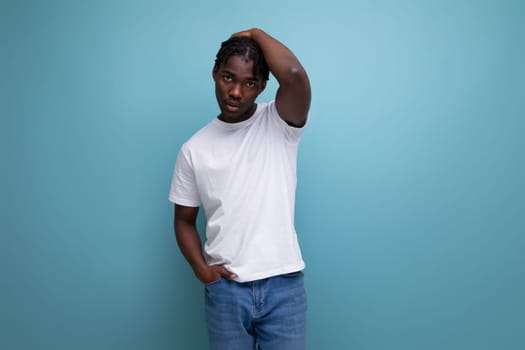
[225,273]
[215,272]
[245,33]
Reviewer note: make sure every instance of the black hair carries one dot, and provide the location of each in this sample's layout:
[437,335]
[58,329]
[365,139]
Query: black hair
[247,48]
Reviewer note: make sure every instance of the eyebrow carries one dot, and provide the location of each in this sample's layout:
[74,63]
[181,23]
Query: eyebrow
[233,74]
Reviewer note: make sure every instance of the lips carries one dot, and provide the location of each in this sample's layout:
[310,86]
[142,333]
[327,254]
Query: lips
[232,106]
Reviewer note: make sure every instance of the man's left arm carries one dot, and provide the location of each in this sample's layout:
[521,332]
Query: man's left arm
[293,96]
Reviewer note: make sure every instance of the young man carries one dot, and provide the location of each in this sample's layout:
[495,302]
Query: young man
[241,168]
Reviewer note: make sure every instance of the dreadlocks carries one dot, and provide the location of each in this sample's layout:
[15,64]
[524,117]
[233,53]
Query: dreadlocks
[246,48]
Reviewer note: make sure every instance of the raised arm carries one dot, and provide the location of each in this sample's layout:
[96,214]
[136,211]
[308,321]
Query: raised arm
[191,247]
[294,95]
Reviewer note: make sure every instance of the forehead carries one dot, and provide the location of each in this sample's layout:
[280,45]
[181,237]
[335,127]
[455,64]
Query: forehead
[239,66]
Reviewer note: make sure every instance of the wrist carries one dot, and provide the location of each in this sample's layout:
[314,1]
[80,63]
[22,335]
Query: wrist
[255,33]
[202,271]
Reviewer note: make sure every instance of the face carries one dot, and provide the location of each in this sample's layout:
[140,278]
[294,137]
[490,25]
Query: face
[236,89]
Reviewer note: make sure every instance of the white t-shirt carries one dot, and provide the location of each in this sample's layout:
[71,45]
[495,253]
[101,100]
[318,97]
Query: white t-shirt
[244,176]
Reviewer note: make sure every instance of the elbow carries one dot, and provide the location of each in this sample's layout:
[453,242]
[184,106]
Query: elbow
[295,76]
[295,72]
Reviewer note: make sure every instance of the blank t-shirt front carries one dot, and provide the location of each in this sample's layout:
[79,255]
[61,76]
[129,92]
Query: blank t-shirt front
[244,176]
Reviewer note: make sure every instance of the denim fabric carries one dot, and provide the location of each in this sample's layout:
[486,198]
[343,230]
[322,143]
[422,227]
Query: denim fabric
[268,314]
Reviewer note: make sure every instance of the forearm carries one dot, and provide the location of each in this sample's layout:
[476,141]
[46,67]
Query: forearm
[293,96]
[190,246]
[281,61]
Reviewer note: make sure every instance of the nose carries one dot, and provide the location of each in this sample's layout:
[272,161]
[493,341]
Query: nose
[235,91]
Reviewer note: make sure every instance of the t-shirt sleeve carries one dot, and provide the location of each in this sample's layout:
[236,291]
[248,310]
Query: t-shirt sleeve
[292,133]
[183,189]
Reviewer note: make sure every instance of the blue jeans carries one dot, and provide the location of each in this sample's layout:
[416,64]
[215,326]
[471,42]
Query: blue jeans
[268,314]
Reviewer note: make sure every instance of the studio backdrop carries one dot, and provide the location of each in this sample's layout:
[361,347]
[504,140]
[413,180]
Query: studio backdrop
[411,176]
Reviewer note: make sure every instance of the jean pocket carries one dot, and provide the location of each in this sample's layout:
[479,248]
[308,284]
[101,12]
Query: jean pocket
[213,283]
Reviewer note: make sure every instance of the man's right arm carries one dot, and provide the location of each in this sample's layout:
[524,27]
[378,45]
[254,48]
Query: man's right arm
[191,247]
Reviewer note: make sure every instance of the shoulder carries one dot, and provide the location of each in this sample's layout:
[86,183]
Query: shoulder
[200,137]
[271,115]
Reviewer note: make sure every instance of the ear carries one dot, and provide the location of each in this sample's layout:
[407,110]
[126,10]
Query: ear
[214,73]
[263,86]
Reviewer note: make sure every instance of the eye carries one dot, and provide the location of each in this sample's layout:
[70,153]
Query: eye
[250,84]
[227,77]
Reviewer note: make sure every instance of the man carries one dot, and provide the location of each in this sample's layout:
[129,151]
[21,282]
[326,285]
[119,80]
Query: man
[241,168]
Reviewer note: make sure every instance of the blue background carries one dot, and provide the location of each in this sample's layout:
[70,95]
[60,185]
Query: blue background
[410,202]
